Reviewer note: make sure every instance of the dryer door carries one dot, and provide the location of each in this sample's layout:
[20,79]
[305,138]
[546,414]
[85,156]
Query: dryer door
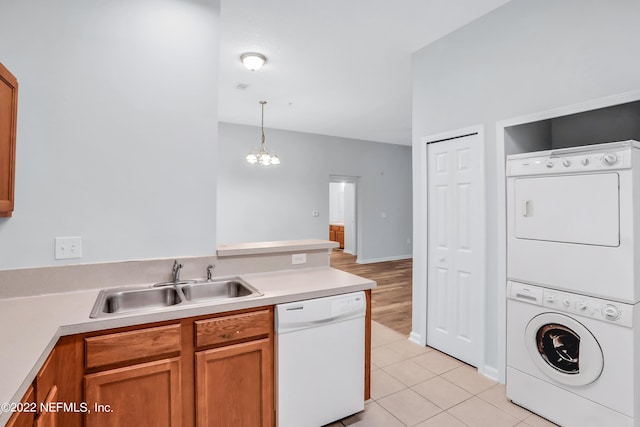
[581,209]
[564,349]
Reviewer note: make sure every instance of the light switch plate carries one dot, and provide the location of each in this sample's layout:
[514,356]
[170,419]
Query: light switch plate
[68,247]
[299,259]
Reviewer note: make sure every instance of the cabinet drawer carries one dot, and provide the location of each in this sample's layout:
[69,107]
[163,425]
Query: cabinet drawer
[231,328]
[126,346]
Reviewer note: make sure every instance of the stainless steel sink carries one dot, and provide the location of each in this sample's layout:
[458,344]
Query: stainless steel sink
[149,299]
[221,288]
[167,294]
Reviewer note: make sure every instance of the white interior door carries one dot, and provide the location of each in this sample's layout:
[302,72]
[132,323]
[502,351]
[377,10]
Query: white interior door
[350,218]
[456,247]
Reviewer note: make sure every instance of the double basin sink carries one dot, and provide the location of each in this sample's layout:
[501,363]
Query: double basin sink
[169,294]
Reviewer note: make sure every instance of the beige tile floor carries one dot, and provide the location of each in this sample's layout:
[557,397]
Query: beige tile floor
[419,386]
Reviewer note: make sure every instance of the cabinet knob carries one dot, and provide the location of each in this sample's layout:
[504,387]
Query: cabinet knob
[227,336]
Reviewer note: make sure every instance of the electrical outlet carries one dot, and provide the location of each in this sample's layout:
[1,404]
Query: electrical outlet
[68,247]
[299,259]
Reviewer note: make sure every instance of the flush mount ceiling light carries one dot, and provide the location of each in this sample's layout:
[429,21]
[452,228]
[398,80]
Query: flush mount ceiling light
[261,156]
[253,61]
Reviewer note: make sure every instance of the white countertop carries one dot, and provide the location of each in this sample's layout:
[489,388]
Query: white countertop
[274,247]
[32,325]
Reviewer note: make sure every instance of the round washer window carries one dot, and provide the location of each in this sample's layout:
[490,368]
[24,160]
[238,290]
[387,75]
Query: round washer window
[559,346]
[564,349]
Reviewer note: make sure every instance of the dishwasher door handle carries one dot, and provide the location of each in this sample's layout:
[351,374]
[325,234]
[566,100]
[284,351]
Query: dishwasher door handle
[291,326]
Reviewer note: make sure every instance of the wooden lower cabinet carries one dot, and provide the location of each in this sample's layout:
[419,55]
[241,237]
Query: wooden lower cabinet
[214,371]
[340,237]
[49,418]
[336,234]
[234,385]
[147,394]
[206,371]
[26,418]
[56,383]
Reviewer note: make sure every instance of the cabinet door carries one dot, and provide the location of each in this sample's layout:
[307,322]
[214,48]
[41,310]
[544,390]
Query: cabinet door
[8,121]
[49,418]
[147,394]
[234,385]
[25,419]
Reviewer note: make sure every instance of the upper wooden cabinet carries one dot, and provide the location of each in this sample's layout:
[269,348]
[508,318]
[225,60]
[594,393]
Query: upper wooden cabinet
[8,122]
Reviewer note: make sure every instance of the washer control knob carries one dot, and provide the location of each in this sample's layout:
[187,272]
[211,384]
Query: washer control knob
[550,164]
[585,161]
[609,159]
[566,163]
[551,298]
[611,312]
[583,306]
[566,302]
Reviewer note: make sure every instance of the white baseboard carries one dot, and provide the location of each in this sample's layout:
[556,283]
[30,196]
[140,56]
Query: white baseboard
[491,372]
[373,260]
[416,338]
[349,252]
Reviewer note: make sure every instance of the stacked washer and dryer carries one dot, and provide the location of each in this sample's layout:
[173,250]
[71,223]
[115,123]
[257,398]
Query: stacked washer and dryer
[573,265]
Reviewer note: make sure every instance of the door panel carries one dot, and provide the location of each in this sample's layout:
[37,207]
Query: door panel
[582,209]
[455,245]
[234,385]
[464,305]
[145,395]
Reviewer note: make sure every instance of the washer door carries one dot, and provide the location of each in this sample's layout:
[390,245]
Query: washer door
[564,349]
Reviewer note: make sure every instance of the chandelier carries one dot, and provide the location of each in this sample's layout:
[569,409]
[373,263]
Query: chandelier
[261,156]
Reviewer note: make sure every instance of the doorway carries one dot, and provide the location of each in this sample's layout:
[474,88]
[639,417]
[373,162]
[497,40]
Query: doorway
[343,212]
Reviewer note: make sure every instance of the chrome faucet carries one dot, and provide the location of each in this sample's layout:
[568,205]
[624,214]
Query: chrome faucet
[210,268]
[175,271]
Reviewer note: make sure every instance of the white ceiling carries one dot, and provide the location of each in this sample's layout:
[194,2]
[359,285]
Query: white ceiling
[334,67]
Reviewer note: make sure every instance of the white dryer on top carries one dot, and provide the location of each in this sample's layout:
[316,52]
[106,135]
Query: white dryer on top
[570,219]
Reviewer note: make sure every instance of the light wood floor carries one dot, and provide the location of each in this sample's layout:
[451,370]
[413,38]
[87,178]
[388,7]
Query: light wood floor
[391,299]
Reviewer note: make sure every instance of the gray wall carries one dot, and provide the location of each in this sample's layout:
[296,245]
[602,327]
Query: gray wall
[116,138]
[525,57]
[617,123]
[276,203]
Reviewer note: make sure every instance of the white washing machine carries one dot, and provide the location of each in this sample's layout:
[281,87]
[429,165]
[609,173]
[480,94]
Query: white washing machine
[570,219]
[572,359]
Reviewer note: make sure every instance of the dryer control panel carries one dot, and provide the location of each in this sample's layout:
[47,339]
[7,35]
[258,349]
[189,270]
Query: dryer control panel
[595,308]
[599,157]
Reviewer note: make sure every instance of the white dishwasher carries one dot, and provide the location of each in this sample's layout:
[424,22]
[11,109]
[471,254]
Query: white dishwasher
[320,360]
